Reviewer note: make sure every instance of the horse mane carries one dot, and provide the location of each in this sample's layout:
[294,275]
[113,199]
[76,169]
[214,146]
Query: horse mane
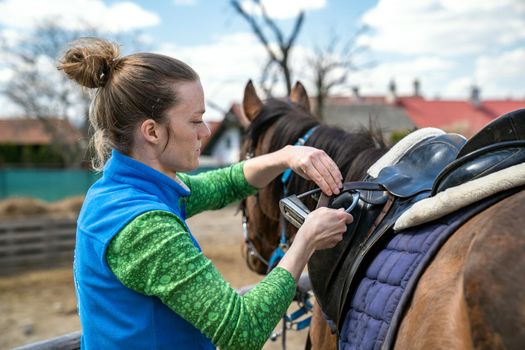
[275,110]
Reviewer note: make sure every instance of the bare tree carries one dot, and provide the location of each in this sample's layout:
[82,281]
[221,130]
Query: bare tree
[278,55]
[332,65]
[45,94]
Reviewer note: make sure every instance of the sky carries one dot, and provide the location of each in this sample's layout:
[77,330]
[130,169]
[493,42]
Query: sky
[448,45]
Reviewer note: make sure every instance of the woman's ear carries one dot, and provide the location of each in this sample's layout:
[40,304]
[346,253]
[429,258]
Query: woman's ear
[149,131]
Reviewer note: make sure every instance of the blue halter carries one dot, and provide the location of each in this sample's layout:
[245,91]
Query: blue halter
[279,252]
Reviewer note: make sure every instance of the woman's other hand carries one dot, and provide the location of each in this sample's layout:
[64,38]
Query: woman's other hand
[315,165]
[324,228]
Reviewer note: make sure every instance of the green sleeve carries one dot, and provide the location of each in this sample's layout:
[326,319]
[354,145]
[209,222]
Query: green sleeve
[216,188]
[154,255]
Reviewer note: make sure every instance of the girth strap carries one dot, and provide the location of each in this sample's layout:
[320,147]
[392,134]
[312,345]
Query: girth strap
[324,200]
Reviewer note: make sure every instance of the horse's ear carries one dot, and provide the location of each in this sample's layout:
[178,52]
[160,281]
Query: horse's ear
[251,103]
[300,97]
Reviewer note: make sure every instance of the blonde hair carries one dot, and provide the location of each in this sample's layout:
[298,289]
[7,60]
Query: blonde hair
[129,90]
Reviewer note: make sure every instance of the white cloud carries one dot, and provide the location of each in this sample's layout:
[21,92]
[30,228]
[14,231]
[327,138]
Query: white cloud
[5,75]
[458,87]
[470,42]
[224,66]
[76,14]
[185,2]
[8,108]
[430,71]
[444,27]
[280,9]
[502,75]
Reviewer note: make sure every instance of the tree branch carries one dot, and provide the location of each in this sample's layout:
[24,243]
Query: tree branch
[255,28]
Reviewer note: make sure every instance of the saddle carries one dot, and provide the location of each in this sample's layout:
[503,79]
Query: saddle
[382,200]
[421,165]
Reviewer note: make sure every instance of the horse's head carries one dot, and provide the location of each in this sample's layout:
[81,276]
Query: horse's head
[261,212]
[274,124]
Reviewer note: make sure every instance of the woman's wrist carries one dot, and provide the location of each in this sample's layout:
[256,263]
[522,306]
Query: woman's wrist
[304,243]
[285,156]
[261,170]
[297,256]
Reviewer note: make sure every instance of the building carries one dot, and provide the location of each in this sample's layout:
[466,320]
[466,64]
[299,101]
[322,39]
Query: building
[224,144]
[390,113]
[462,116]
[350,113]
[29,141]
[403,113]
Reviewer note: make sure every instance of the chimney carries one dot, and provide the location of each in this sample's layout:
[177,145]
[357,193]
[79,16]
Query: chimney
[417,86]
[475,98]
[392,93]
[355,93]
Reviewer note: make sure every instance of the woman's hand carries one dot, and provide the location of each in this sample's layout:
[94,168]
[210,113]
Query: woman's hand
[314,164]
[324,227]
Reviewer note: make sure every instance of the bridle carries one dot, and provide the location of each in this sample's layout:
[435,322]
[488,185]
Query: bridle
[282,247]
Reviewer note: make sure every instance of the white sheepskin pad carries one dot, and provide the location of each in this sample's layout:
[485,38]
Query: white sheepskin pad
[455,198]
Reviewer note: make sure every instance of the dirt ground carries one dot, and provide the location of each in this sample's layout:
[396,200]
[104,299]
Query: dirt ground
[37,305]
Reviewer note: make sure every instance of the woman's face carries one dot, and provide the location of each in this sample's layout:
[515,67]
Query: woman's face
[186,129]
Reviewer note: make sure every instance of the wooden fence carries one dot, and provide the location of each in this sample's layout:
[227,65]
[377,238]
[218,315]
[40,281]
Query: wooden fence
[36,242]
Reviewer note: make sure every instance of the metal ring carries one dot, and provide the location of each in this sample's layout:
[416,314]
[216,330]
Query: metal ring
[355,199]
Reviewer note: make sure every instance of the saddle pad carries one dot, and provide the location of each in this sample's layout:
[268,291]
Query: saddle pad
[455,198]
[386,288]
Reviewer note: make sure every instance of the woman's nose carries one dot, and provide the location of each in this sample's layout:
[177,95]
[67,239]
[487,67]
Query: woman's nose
[205,131]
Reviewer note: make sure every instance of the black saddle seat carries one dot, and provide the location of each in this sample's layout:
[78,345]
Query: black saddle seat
[508,127]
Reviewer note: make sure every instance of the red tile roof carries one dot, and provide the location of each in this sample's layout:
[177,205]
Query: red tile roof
[25,131]
[499,107]
[455,116]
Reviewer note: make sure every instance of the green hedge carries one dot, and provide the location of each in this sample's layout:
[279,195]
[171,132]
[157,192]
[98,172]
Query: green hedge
[34,155]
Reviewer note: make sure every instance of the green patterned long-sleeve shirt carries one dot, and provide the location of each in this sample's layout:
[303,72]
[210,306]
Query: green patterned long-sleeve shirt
[154,255]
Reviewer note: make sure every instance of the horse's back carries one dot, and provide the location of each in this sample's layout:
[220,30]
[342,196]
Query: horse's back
[472,296]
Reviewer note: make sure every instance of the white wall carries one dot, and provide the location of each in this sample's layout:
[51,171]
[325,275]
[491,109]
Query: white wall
[227,148]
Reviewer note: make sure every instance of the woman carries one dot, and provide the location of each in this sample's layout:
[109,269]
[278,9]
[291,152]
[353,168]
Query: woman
[141,279]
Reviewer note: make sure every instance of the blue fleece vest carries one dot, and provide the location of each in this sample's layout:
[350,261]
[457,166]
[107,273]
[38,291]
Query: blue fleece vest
[112,315]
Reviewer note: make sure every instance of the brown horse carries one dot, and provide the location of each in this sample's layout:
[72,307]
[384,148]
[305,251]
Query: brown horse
[471,295]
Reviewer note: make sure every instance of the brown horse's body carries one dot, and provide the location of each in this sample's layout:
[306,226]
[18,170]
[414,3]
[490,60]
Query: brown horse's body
[472,295]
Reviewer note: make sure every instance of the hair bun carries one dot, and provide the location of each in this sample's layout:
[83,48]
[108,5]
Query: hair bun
[90,61]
